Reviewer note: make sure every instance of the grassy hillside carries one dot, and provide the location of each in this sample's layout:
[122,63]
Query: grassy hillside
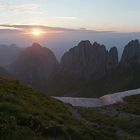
[124,118]
[4,73]
[28,115]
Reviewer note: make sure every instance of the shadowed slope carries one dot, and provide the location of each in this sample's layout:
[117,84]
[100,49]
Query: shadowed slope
[35,66]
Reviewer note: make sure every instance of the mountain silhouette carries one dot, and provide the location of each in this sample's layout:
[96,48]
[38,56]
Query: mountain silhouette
[85,70]
[35,66]
[91,70]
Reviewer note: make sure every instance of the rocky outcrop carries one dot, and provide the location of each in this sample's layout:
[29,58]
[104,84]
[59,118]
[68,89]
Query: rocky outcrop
[112,62]
[35,66]
[131,53]
[86,60]
[81,66]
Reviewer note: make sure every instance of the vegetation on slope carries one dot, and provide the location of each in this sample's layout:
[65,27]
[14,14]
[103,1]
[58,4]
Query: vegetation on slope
[131,104]
[124,117]
[4,73]
[28,115]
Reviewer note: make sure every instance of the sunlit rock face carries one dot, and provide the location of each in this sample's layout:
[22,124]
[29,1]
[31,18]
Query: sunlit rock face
[131,53]
[35,66]
[89,60]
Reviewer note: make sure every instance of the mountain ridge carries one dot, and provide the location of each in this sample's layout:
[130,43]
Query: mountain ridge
[103,80]
[35,66]
[82,70]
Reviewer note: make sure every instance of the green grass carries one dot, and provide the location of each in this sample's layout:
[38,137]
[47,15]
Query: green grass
[28,115]
[131,105]
[128,123]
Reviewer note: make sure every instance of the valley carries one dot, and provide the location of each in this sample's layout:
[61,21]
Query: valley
[69,70]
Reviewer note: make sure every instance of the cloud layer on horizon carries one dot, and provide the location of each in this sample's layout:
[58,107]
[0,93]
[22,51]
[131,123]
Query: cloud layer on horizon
[44,27]
[61,39]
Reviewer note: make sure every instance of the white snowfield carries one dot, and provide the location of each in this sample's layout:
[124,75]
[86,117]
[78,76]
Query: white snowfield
[118,97]
[82,102]
[98,102]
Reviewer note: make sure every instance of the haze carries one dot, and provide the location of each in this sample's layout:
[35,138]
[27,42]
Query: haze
[111,22]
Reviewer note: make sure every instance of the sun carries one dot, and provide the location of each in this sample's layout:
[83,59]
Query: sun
[37,32]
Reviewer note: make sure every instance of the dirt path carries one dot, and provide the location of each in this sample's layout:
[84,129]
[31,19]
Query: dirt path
[78,116]
[119,132]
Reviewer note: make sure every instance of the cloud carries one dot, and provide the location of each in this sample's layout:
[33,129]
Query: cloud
[42,27]
[20,7]
[27,28]
[68,18]
[47,28]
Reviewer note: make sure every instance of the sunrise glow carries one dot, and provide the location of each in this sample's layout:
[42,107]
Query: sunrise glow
[37,32]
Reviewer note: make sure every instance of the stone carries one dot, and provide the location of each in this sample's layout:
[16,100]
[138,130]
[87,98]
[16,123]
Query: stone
[86,60]
[131,53]
[112,58]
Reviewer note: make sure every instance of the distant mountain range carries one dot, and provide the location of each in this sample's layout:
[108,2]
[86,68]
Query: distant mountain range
[90,70]
[85,70]
[35,66]
[8,54]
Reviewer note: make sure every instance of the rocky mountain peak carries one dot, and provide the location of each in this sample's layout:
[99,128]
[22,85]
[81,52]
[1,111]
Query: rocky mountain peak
[112,58]
[35,66]
[131,53]
[113,50]
[95,44]
[86,60]
[134,43]
[36,45]
[84,43]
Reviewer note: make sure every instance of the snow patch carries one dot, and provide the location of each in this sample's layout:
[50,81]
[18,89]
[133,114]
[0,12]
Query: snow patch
[98,102]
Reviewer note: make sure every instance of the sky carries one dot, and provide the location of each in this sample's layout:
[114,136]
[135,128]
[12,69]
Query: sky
[67,22]
[112,15]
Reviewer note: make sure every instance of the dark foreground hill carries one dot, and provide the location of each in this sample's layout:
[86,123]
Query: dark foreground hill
[4,73]
[28,115]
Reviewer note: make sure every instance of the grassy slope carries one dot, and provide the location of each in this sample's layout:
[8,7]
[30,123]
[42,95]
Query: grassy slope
[124,117]
[131,105]
[4,73]
[28,115]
